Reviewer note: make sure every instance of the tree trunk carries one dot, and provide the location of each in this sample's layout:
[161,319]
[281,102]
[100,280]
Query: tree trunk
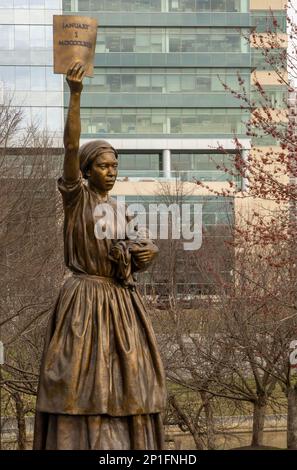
[258,422]
[20,416]
[197,439]
[292,418]
[192,427]
[209,420]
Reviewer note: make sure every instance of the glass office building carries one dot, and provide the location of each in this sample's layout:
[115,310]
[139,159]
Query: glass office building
[158,86]
[26,61]
[158,92]
[160,69]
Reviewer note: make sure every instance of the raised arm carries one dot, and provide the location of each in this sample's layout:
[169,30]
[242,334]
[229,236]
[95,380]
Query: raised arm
[72,127]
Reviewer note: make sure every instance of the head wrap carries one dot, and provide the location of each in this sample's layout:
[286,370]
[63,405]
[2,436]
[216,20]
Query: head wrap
[89,151]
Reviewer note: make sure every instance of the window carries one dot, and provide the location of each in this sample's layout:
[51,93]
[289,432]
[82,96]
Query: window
[113,42]
[159,80]
[128,83]
[37,37]
[38,117]
[207,166]
[20,3]
[128,5]
[5,3]
[233,43]
[114,82]
[38,81]
[66,5]
[128,44]
[53,81]
[96,84]
[203,83]
[158,83]
[188,42]
[22,78]
[203,5]
[49,37]
[143,83]
[7,77]
[187,83]
[54,118]
[139,165]
[156,40]
[218,5]
[204,42]
[37,4]
[154,5]
[173,83]
[83,5]
[174,44]
[275,59]
[22,40]
[101,125]
[52,4]
[128,124]
[264,21]
[237,5]
[273,96]
[143,43]
[188,5]
[113,124]
[218,121]
[111,5]
[143,124]
[175,125]
[189,125]
[182,5]
[6,37]
[96,5]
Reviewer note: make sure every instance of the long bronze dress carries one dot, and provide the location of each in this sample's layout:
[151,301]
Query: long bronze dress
[102,383]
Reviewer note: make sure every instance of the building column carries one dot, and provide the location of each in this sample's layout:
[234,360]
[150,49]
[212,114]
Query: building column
[166,163]
[245,182]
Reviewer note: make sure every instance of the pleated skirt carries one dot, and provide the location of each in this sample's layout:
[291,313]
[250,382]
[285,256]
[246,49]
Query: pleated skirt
[99,432]
[102,382]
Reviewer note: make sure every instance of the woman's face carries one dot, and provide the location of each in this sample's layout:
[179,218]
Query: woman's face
[103,172]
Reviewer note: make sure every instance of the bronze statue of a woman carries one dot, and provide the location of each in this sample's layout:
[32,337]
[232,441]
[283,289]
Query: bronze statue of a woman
[102,383]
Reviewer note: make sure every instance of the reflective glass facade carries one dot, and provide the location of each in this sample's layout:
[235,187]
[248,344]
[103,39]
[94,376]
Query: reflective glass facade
[265,21]
[163,76]
[19,37]
[204,167]
[170,40]
[157,5]
[135,165]
[32,4]
[275,96]
[147,121]
[185,166]
[215,210]
[26,71]
[26,78]
[162,80]
[273,58]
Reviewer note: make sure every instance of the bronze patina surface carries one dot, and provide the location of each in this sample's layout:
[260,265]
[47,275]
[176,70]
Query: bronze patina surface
[102,383]
[74,40]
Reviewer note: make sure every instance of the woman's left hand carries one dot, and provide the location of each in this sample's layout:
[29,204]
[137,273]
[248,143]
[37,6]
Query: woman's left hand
[144,254]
